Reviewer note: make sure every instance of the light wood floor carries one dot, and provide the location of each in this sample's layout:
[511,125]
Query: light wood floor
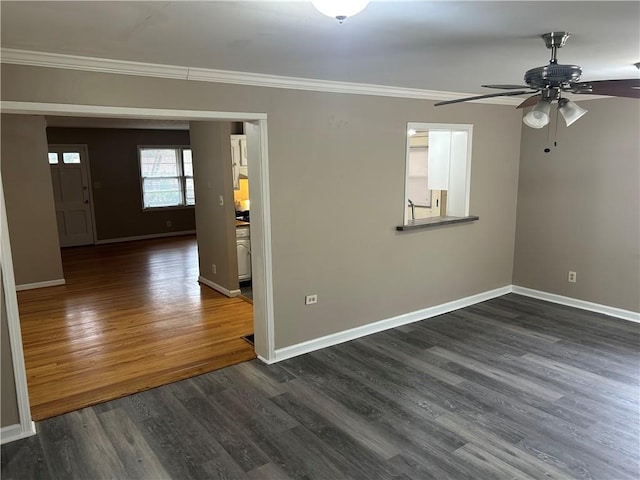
[131,317]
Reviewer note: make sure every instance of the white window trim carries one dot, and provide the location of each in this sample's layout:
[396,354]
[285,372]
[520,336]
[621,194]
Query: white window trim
[181,177]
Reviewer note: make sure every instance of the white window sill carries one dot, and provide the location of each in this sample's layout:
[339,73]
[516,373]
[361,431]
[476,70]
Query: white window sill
[176,207]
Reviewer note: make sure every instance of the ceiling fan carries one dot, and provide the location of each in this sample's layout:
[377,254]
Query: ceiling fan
[549,82]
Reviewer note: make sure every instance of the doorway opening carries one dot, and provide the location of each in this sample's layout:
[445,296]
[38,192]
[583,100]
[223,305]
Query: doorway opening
[260,228]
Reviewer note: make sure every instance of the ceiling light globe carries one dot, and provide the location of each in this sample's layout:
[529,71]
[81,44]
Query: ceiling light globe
[340,9]
[539,116]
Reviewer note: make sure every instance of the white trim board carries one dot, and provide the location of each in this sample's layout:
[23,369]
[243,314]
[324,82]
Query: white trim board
[138,113]
[364,330]
[10,302]
[218,288]
[122,67]
[145,237]
[16,432]
[577,303]
[33,286]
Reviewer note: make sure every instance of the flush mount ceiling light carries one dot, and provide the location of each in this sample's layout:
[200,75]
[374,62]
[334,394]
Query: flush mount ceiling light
[340,9]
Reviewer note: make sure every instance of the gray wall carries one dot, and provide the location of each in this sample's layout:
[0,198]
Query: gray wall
[113,160]
[337,192]
[578,207]
[29,200]
[9,414]
[215,223]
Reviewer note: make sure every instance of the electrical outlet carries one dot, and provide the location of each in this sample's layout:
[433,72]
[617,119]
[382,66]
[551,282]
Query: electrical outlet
[221,200]
[169,224]
[213,268]
[572,277]
[311,299]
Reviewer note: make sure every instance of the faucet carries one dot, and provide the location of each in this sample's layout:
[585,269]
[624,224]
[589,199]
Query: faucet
[413,209]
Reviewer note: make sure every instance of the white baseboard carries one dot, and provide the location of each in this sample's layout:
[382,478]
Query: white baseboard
[353,333]
[16,432]
[576,303]
[145,237]
[264,360]
[48,283]
[218,288]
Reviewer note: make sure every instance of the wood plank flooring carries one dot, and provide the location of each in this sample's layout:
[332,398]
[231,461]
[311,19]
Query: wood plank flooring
[512,388]
[130,317]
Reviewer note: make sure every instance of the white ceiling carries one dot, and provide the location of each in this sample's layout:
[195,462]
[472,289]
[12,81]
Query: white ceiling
[443,45]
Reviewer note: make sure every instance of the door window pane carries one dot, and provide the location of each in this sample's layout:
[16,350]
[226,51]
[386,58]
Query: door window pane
[71,157]
[53,158]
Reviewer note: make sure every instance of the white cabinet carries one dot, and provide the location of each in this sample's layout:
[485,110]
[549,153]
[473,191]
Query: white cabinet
[243,243]
[239,158]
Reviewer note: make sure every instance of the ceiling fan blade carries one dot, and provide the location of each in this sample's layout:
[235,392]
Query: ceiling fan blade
[529,101]
[629,88]
[479,97]
[506,87]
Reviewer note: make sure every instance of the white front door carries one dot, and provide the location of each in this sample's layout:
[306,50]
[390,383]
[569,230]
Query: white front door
[70,178]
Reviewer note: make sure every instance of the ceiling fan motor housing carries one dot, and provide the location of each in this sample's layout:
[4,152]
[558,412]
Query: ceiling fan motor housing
[552,76]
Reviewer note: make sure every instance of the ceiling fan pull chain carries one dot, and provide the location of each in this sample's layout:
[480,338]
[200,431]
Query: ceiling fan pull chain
[547,149]
[555,135]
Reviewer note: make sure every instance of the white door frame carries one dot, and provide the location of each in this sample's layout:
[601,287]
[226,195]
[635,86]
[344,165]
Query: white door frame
[260,228]
[27,427]
[87,166]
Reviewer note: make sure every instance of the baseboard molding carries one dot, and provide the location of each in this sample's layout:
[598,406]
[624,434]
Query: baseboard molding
[218,288]
[264,360]
[351,334]
[32,286]
[145,237]
[576,303]
[16,432]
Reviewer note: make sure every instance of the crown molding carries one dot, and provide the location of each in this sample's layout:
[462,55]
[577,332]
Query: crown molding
[122,67]
[90,64]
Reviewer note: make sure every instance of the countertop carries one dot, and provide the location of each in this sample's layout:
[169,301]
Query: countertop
[241,223]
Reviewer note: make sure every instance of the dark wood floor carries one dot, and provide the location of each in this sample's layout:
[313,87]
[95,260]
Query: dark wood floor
[131,316]
[510,388]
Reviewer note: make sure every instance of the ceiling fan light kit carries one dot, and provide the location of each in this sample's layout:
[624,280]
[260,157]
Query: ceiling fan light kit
[570,111]
[549,82]
[340,9]
[539,116]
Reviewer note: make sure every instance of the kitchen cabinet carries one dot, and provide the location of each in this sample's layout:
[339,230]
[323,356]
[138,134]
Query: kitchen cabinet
[239,159]
[243,245]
